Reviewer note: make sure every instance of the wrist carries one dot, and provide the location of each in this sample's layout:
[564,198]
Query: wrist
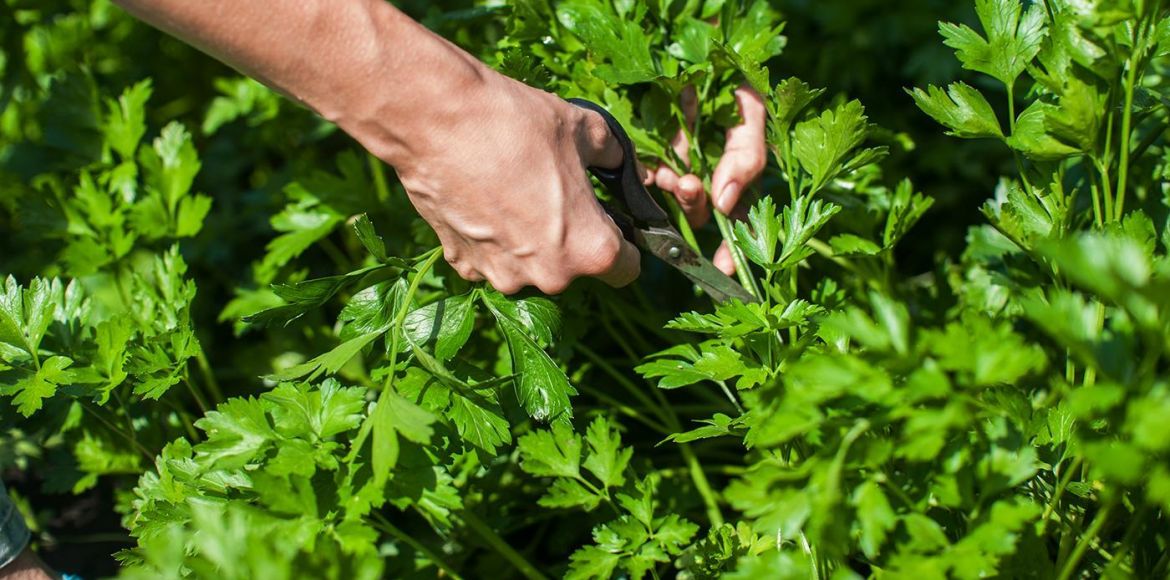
[410,85]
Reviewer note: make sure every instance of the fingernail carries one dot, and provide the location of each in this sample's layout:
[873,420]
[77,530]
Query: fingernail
[726,199]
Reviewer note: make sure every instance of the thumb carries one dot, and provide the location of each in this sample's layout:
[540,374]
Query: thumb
[624,265]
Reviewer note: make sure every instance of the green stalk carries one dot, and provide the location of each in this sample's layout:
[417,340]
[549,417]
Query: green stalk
[680,218]
[501,547]
[1098,217]
[1060,487]
[98,412]
[1116,560]
[208,375]
[384,524]
[400,319]
[1074,559]
[195,393]
[626,383]
[1126,122]
[625,409]
[1090,372]
[702,485]
[378,171]
[742,270]
[667,415]
[1011,93]
[429,260]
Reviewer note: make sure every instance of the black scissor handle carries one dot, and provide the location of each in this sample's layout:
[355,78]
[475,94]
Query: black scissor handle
[623,183]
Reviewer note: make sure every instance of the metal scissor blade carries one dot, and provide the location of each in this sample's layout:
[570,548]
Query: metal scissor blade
[715,283]
[669,246]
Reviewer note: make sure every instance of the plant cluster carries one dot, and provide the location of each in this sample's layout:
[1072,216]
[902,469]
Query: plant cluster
[341,404]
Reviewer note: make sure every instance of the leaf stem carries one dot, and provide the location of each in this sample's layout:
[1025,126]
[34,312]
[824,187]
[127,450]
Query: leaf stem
[625,409]
[1126,122]
[429,260]
[208,375]
[1082,546]
[742,268]
[500,546]
[195,393]
[1060,487]
[381,189]
[625,382]
[702,485]
[97,412]
[667,415]
[384,524]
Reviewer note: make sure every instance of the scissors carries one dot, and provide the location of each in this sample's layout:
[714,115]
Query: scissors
[644,223]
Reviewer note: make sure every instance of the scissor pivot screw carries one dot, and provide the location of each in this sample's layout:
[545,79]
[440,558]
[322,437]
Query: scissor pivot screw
[674,252]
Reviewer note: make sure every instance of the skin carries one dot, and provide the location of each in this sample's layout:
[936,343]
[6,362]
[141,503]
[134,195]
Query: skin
[744,156]
[27,566]
[497,168]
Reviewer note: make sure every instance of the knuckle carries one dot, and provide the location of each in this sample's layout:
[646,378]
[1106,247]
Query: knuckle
[506,285]
[465,272]
[553,286]
[757,161]
[602,256]
[451,255]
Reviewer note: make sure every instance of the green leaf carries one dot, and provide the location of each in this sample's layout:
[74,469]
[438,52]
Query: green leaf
[569,493]
[853,245]
[693,41]
[592,562]
[542,387]
[237,430]
[125,122]
[32,391]
[988,353]
[1013,38]
[1031,136]
[300,225]
[719,425]
[607,458]
[302,297]
[906,208]
[619,45]
[875,516]
[395,416]
[823,144]
[480,423]
[789,99]
[170,165]
[734,319]
[330,362]
[758,238]
[554,452]
[801,222]
[961,109]
[299,410]
[447,322]
[364,229]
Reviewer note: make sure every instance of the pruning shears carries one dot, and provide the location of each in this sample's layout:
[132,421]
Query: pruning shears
[644,223]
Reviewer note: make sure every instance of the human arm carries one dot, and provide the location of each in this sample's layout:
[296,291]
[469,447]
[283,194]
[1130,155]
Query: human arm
[496,167]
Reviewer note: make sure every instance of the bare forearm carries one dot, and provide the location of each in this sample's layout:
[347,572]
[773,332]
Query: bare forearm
[360,63]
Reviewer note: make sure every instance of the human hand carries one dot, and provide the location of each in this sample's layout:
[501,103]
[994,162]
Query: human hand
[502,178]
[27,566]
[744,158]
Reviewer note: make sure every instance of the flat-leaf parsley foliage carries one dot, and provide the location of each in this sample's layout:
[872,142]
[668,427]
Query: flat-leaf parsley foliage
[358,411]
